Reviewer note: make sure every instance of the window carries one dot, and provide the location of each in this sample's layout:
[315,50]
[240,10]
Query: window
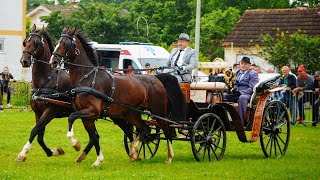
[1,45]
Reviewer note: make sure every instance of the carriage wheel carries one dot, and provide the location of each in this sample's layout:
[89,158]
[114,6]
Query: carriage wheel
[208,138]
[275,130]
[149,146]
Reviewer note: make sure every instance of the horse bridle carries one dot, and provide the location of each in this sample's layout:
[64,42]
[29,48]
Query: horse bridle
[39,42]
[71,42]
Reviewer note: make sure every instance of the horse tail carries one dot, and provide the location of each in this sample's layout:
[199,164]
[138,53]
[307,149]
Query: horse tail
[177,106]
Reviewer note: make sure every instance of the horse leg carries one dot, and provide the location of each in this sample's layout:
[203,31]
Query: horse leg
[22,156]
[126,127]
[70,135]
[39,130]
[135,118]
[94,137]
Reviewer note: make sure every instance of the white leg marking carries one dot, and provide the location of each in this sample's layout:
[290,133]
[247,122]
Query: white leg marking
[26,149]
[170,152]
[70,136]
[99,159]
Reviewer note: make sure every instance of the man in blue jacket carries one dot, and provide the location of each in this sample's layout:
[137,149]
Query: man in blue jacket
[243,87]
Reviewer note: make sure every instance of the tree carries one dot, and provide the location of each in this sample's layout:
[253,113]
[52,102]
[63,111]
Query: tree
[291,49]
[215,27]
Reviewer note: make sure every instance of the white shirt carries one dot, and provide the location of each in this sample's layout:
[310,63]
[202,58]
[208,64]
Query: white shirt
[180,61]
[241,73]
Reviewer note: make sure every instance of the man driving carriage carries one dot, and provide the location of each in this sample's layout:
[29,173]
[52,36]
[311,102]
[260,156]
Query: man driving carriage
[246,79]
[183,59]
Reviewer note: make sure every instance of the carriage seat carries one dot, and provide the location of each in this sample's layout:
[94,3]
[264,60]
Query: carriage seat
[208,86]
[265,82]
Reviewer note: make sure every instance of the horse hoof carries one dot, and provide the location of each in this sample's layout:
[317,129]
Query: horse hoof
[21,159]
[57,151]
[168,161]
[135,159]
[81,157]
[77,146]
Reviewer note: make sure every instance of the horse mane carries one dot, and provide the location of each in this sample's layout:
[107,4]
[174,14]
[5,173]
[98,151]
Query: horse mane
[84,40]
[49,40]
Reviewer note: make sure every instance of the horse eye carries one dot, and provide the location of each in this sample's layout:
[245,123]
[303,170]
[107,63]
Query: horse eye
[24,43]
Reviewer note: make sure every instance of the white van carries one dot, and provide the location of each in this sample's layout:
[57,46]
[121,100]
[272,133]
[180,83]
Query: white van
[119,56]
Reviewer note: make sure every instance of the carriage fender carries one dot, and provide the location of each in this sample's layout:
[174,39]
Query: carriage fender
[236,121]
[258,114]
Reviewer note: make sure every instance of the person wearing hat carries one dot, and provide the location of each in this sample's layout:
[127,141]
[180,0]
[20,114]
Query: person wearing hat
[304,82]
[316,90]
[246,79]
[183,59]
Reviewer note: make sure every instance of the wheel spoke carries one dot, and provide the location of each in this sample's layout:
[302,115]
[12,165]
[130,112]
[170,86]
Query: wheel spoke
[281,139]
[204,153]
[271,143]
[279,146]
[215,154]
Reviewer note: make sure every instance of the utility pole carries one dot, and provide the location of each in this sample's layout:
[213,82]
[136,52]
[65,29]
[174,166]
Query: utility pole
[197,33]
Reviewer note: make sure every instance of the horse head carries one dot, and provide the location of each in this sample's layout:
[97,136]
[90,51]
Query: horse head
[34,46]
[66,48]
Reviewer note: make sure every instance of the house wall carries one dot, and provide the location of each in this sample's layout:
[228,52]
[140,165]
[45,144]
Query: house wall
[12,34]
[233,55]
[35,18]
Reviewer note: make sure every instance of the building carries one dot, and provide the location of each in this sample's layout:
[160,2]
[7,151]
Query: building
[46,9]
[244,37]
[12,34]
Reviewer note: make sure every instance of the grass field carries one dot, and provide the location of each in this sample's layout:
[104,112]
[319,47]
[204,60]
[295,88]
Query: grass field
[241,160]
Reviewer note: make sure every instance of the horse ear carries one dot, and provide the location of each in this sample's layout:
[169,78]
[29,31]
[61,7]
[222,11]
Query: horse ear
[42,30]
[65,29]
[72,31]
[34,28]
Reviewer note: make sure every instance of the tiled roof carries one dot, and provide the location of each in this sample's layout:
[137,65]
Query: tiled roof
[64,9]
[253,23]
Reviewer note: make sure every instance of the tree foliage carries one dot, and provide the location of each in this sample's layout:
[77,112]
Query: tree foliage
[160,22]
[292,49]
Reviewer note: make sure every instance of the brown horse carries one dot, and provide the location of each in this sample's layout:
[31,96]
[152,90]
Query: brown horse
[45,81]
[97,92]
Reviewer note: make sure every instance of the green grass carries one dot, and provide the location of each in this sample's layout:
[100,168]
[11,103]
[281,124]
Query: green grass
[241,160]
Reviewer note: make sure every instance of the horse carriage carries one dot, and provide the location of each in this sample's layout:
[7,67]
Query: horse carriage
[208,121]
[94,93]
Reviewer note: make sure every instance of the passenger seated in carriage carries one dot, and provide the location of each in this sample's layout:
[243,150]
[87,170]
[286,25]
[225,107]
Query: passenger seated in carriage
[246,79]
[217,74]
[183,59]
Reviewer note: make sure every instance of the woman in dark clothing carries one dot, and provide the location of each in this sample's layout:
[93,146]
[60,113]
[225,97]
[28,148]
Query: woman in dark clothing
[5,78]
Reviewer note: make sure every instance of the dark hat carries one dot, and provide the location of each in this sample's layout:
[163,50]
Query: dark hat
[246,60]
[184,36]
[147,64]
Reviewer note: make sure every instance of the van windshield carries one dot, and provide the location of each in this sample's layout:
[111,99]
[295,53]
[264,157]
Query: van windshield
[153,61]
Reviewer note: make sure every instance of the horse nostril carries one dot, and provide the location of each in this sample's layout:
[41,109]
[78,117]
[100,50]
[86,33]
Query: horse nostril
[24,61]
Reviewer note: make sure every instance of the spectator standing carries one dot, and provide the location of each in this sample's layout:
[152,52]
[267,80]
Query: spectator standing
[183,59]
[304,82]
[290,81]
[6,77]
[316,90]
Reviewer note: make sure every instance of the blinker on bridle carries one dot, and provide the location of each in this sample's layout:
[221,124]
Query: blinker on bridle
[71,42]
[39,42]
